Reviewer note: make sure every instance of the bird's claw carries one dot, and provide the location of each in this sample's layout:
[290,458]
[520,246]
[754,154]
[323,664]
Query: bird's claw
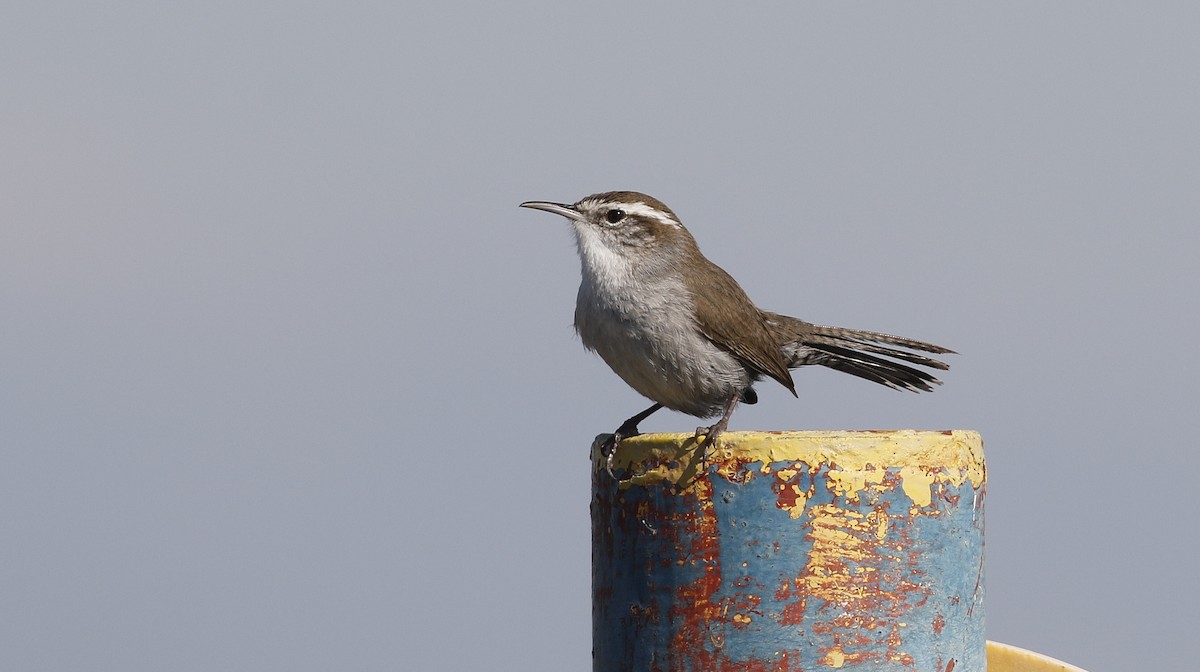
[709,442]
[609,447]
[609,450]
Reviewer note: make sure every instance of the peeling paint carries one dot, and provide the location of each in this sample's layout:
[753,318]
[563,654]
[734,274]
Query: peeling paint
[851,483]
[671,457]
[851,550]
[835,657]
[917,482]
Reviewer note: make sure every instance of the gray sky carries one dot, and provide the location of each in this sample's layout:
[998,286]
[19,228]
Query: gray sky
[289,380]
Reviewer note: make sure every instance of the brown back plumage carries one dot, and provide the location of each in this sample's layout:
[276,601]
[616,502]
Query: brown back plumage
[736,326]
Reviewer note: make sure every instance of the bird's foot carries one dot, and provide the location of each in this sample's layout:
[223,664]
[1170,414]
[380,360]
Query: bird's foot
[706,445]
[713,432]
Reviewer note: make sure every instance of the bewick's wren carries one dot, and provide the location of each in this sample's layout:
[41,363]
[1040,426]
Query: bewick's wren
[680,330]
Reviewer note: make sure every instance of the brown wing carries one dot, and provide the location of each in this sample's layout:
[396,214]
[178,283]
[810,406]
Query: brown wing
[736,325]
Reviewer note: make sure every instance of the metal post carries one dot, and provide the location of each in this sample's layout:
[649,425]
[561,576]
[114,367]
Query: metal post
[790,551]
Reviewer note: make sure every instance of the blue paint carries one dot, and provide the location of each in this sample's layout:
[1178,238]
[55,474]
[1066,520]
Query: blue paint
[715,579]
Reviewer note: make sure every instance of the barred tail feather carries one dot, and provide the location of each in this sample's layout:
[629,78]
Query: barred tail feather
[893,374]
[858,352]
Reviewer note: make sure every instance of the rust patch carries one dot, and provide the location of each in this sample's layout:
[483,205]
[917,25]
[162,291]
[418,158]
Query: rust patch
[791,493]
[693,607]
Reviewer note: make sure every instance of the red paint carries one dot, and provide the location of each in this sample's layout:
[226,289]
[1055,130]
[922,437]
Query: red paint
[693,607]
[793,613]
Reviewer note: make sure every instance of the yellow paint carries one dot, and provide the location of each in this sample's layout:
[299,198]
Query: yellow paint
[857,460]
[835,658]
[850,482]
[741,618]
[843,541]
[799,497]
[796,510]
[917,483]
[881,525]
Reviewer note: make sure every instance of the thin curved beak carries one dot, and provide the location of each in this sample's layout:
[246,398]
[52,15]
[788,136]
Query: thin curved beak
[557,208]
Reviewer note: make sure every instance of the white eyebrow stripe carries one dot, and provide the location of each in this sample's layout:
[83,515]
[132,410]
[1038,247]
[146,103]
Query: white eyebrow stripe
[642,209]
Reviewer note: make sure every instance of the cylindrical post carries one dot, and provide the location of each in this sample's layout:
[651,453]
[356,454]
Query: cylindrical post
[790,551]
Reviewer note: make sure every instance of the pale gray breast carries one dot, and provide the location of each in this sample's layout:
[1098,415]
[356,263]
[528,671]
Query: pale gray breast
[647,335]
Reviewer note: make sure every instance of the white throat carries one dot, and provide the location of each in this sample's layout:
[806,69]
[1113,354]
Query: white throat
[602,265]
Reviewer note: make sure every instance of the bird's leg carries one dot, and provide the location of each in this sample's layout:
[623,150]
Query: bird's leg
[630,427]
[627,429]
[711,433]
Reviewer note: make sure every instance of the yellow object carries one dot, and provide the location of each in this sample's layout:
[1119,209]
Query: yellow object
[952,456]
[1006,658]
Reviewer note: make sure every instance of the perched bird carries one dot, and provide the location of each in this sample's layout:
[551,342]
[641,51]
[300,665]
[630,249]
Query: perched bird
[679,330]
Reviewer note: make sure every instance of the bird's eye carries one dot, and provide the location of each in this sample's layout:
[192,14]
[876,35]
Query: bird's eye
[615,215]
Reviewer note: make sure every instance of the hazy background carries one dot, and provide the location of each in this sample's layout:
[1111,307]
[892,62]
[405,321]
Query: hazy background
[288,380]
